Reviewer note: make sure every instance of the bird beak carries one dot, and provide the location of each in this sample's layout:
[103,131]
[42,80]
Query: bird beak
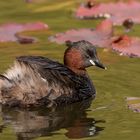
[97,63]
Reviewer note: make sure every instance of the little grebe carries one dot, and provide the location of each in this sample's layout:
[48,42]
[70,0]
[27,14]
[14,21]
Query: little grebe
[39,81]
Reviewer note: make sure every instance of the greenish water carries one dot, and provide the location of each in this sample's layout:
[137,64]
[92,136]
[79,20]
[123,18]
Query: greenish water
[105,118]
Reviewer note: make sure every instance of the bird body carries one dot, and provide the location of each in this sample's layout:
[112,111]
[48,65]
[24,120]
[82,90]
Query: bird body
[39,81]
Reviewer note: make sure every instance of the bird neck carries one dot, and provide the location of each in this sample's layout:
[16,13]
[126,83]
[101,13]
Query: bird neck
[73,60]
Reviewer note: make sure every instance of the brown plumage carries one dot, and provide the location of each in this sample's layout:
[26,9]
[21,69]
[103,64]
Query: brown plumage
[37,81]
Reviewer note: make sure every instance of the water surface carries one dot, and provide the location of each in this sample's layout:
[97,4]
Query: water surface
[27,124]
[105,118]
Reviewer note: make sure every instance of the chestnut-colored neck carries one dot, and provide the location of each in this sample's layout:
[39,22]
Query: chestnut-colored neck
[73,60]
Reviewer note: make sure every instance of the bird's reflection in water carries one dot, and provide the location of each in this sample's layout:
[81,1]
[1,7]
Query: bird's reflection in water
[29,124]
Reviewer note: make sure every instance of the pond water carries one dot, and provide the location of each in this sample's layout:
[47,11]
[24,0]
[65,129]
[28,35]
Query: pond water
[105,118]
[29,124]
[77,121]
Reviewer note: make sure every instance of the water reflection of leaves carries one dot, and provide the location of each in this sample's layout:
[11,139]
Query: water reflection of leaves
[29,124]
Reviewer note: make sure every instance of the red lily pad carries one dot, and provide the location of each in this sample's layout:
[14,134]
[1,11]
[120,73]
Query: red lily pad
[9,31]
[22,39]
[34,1]
[99,36]
[127,46]
[102,36]
[117,12]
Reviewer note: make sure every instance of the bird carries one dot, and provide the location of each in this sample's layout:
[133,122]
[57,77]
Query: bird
[34,81]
